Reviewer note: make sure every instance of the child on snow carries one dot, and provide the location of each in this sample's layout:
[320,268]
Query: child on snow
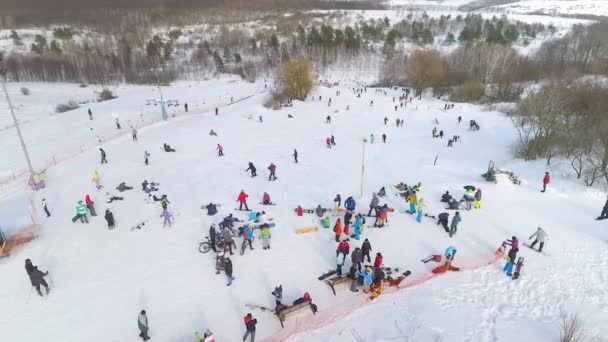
[166,215]
[265,237]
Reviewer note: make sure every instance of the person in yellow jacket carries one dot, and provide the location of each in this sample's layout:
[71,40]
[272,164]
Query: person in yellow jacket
[413,201]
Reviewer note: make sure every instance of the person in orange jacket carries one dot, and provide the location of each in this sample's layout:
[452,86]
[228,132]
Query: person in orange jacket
[338,229]
[382,217]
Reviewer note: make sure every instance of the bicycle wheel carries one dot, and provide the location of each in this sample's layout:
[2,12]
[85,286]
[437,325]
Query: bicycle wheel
[204,247]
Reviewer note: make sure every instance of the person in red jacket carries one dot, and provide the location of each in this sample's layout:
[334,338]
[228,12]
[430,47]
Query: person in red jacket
[89,203]
[250,324]
[343,247]
[328,142]
[378,260]
[546,180]
[243,200]
[266,199]
[300,211]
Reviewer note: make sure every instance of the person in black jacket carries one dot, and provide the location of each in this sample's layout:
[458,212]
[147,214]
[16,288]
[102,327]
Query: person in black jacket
[443,219]
[252,169]
[109,218]
[604,214]
[446,197]
[338,200]
[250,324]
[228,271]
[295,155]
[365,249]
[103,156]
[29,267]
[211,209]
[212,233]
[37,279]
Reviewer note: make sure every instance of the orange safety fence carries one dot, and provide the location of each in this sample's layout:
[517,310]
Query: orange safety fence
[23,236]
[58,158]
[338,312]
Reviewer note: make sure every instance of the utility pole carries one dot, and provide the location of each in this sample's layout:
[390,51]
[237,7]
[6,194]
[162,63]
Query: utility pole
[3,72]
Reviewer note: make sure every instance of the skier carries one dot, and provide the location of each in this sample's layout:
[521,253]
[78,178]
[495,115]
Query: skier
[220,150]
[540,236]
[328,119]
[228,241]
[109,218]
[459,119]
[371,138]
[81,213]
[266,199]
[216,111]
[250,323]
[37,279]
[103,156]
[123,187]
[89,203]
[354,278]
[278,296]
[142,323]
[338,230]
[134,134]
[242,199]
[46,210]
[340,261]
[385,120]
[97,180]
[272,168]
[117,124]
[546,180]
[166,215]
[332,140]
[443,221]
[357,258]
[412,200]
[146,156]
[604,214]
[478,198]
[248,235]
[328,142]
[384,138]
[265,236]
[90,114]
[365,249]
[186,107]
[350,204]
[252,169]
[295,155]
[337,201]
[228,270]
[454,225]
[420,210]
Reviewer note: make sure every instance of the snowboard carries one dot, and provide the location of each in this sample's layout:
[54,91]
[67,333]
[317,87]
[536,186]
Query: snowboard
[242,209]
[327,275]
[305,211]
[534,249]
[600,219]
[139,225]
[259,226]
[268,203]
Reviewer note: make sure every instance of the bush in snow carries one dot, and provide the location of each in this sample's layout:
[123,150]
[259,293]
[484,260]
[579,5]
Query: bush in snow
[296,78]
[105,95]
[25,91]
[571,329]
[470,91]
[66,107]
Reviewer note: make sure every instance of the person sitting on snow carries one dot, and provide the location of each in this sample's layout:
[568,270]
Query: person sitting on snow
[454,204]
[266,199]
[112,198]
[446,197]
[122,187]
[168,148]
[382,192]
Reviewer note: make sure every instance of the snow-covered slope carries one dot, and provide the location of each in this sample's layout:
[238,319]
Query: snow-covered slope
[103,278]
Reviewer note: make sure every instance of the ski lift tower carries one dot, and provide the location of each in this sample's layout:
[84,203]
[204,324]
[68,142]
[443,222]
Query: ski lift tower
[163,108]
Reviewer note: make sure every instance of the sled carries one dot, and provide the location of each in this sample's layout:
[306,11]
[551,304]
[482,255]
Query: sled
[306,230]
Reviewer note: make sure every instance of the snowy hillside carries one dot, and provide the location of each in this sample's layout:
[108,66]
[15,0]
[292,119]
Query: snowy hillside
[103,278]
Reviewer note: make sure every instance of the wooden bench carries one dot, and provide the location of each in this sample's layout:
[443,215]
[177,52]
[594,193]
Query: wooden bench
[284,311]
[336,281]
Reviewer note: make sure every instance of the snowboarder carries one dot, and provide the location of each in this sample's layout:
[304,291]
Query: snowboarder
[103,156]
[420,210]
[250,323]
[46,209]
[382,192]
[166,215]
[109,218]
[168,148]
[37,279]
[384,138]
[134,134]
[604,214]
[357,258]
[546,180]
[242,199]
[371,138]
[252,169]
[478,198]
[367,278]
[319,211]
[540,236]
[443,221]
[354,278]
[446,197]
[272,168]
[365,249]
[29,267]
[146,157]
[441,134]
[450,253]
[186,107]
[332,140]
[385,120]
[90,114]
[278,296]
[266,199]
[340,262]
[450,142]
[514,243]
[455,222]
[459,119]
[142,323]
[295,155]
[212,237]
[90,203]
[248,235]
[265,236]
[434,132]
[338,230]
[378,261]
[123,187]
[328,142]
[220,150]
[111,198]
[358,226]
[216,111]
[164,201]
[207,337]
[97,180]
[81,213]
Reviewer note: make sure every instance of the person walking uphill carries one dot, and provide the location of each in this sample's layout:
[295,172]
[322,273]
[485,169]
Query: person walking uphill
[102,153]
[142,324]
[539,236]
[242,199]
[546,180]
[250,324]
[272,168]
[252,169]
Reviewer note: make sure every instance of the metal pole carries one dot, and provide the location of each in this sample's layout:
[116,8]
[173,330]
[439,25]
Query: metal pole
[362,168]
[10,106]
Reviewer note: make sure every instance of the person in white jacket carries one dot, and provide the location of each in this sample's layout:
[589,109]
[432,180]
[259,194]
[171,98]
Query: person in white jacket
[539,236]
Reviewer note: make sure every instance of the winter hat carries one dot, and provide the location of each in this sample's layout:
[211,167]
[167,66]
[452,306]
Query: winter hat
[513,238]
[249,315]
[143,312]
[208,332]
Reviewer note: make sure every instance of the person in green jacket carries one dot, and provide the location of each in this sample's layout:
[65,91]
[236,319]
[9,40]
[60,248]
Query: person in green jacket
[81,213]
[326,222]
[265,236]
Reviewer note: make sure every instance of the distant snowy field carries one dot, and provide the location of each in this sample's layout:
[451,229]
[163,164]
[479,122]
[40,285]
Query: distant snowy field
[103,278]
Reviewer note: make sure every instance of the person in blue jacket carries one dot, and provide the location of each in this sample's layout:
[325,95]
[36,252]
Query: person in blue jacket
[367,278]
[450,252]
[350,203]
[248,235]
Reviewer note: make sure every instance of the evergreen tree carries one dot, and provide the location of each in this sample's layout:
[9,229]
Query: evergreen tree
[449,39]
[16,39]
[219,63]
[54,47]
[273,43]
